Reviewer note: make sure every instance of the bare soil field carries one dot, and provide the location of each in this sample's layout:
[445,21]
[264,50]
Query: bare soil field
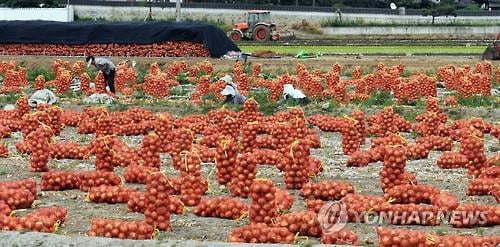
[366,180]
[190,227]
[412,63]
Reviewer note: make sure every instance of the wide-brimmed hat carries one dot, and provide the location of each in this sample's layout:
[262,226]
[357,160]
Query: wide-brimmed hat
[227,78]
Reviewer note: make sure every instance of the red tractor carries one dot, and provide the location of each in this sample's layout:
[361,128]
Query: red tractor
[258,27]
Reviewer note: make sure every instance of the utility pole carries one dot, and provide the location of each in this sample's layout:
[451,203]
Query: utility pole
[178,10]
[67,8]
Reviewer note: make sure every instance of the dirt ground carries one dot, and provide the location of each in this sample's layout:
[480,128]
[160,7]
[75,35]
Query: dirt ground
[412,63]
[191,227]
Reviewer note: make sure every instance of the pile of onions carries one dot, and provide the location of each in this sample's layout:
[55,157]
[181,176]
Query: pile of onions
[417,151]
[52,213]
[176,206]
[393,171]
[390,139]
[40,220]
[358,205]
[175,68]
[138,174]
[158,214]
[102,147]
[303,222]
[248,142]
[110,194]
[284,200]
[17,198]
[243,174]
[296,174]
[5,209]
[192,188]
[137,202]
[109,228]
[487,215]
[31,122]
[450,160]
[490,172]
[351,138]
[241,78]
[450,101]
[28,184]
[229,127]
[385,122]
[388,237]
[39,145]
[188,163]
[359,158]
[482,186]
[263,208]
[467,240]
[314,205]
[250,112]
[55,122]
[326,190]
[150,151]
[438,143]
[261,233]
[326,123]
[104,126]
[409,193]
[91,179]
[22,106]
[344,237]
[70,118]
[4,131]
[472,146]
[225,157]
[179,140]
[60,180]
[359,116]
[68,150]
[408,214]
[444,201]
[221,207]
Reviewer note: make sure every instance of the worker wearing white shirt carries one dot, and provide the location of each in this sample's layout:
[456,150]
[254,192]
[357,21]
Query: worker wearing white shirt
[290,93]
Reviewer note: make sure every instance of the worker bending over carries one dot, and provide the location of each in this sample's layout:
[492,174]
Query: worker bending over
[107,68]
[231,92]
[292,94]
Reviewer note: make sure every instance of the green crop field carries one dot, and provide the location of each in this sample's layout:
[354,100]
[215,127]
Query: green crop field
[366,49]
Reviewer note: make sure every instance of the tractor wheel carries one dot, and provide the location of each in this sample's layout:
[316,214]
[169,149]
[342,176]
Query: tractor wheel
[235,36]
[261,33]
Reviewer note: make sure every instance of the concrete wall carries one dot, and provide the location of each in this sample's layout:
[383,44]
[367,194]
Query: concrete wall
[46,14]
[283,18]
[490,30]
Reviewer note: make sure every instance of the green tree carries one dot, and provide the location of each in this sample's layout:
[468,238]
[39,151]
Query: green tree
[444,8]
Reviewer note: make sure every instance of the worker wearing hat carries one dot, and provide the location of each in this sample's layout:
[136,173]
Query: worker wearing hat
[290,93]
[231,91]
[107,68]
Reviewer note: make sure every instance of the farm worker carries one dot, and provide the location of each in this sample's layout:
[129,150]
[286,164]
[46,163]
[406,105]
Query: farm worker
[229,81]
[106,67]
[43,96]
[290,93]
[233,96]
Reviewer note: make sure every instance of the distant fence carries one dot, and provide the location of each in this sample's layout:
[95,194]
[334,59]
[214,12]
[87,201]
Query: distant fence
[274,7]
[31,14]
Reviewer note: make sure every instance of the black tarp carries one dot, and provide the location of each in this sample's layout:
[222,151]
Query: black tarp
[49,32]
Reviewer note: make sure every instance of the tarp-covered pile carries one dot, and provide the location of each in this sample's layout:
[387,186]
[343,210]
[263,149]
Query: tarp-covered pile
[154,39]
